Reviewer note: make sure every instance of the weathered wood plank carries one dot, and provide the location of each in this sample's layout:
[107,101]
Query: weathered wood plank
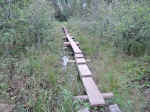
[114,108]
[78,55]
[84,70]
[80,60]
[85,97]
[73,61]
[69,38]
[75,48]
[68,43]
[94,94]
[73,44]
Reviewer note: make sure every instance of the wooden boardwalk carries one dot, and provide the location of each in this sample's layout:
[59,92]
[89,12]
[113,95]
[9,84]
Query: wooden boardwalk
[80,60]
[84,70]
[78,55]
[94,95]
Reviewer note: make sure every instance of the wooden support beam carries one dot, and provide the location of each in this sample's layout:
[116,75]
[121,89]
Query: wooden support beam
[73,61]
[80,60]
[68,43]
[78,55]
[95,96]
[85,97]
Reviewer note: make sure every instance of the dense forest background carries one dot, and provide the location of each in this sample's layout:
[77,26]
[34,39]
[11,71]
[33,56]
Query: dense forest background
[114,34]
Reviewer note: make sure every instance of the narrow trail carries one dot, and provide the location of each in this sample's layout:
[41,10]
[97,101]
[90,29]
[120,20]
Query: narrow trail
[93,94]
[94,77]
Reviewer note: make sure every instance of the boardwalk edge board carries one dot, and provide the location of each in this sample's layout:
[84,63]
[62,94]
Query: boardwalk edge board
[73,61]
[78,55]
[94,95]
[85,97]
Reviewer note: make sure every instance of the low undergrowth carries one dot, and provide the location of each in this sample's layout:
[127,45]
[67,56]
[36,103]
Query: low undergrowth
[31,73]
[31,47]
[36,82]
[126,76]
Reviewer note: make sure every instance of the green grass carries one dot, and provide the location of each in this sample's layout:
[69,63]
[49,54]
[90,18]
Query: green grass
[113,70]
[35,80]
[38,81]
[112,76]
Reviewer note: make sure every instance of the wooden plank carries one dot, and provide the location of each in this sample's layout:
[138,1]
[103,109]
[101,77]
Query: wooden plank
[78,55]
[69,38]
[85,97]
[67,34]
[73,61]
[75,48]
[80,60]
[68,43]
[84,70]
[73,44]
[114,108]
[94,94]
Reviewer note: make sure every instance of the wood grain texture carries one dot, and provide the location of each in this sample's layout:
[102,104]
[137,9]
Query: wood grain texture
[75,48]
[78,55]
[80,60]
[68,43]
[94,94]
[84,71]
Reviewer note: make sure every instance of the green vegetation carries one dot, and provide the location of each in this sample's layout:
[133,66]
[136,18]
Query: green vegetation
[113,34]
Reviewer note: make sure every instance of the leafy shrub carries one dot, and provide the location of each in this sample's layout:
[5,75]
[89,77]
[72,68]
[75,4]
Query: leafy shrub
[126,23]
[136,48]
[26,28]
[64,9]
[141,74]
[132,34]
